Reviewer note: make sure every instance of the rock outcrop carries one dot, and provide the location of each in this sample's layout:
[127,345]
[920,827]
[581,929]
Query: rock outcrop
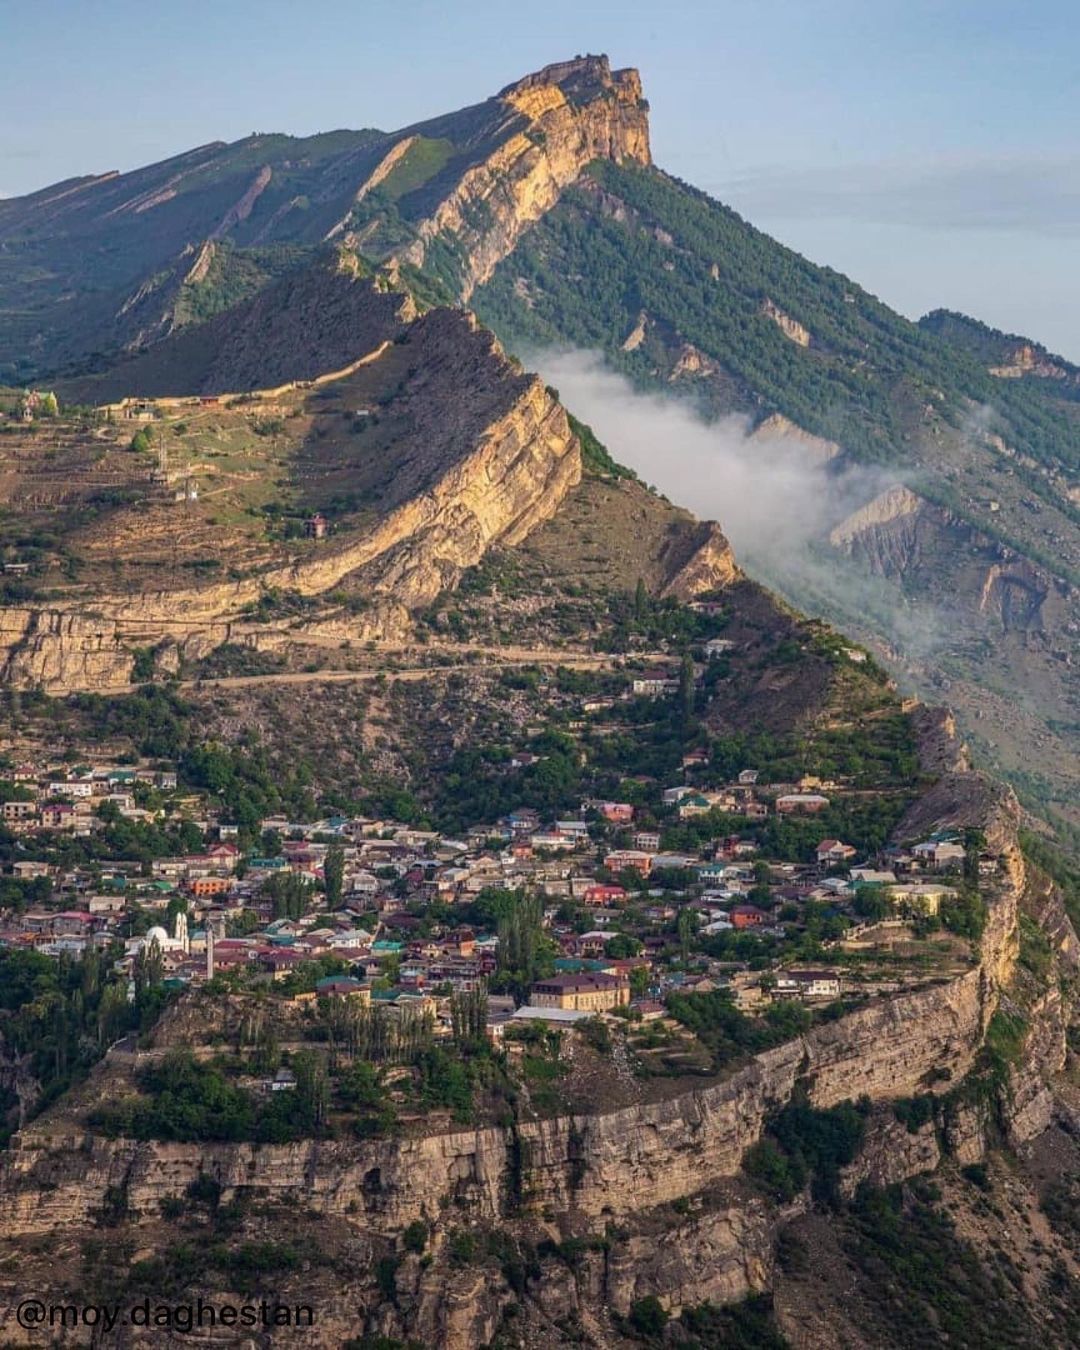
[791,328]
[486,478]
[562,118]
[592,1167]
[895,503]
[777,427]
[710,567]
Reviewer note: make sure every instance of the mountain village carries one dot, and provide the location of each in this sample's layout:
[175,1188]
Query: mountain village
[367,909]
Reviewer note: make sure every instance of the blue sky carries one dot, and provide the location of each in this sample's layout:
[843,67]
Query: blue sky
[928,147]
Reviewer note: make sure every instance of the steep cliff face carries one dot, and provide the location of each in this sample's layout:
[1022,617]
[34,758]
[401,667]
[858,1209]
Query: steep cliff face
[895,504]
[777,427]
[902,536]
[711,565]
[563,117]
[590,1167]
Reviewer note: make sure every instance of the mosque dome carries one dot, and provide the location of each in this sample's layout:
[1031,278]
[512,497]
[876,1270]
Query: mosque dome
[156,934]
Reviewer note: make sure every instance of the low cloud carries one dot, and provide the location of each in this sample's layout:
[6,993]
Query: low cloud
[775,498]
[772,495]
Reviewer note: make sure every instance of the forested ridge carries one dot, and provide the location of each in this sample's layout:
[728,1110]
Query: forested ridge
[629,241]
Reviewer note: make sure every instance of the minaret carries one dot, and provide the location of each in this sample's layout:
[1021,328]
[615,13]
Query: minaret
[209,952]
[181,932]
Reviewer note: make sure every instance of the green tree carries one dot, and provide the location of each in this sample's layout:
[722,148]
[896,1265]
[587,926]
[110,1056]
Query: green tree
[641,600]
[312,1091]
[648,1316]
[686,690]
[468,1017]
[334,874]
[686,928]
[523,951]
[288,893]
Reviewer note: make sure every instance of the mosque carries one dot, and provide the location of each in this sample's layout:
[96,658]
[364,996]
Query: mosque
[179,945]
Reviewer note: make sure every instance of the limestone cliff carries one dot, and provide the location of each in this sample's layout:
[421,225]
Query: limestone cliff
[791,328]
[777,427]
[557,121]
[711,565]
[895,503]
[484,478]
[592,1166]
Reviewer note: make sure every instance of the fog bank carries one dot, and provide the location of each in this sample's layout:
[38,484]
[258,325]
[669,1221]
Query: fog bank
[776,498]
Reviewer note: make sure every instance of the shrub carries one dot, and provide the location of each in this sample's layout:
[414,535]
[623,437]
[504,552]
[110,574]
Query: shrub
[648,1316]
[414,1238]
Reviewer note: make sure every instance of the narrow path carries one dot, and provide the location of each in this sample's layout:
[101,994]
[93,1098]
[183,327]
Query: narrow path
[504,658]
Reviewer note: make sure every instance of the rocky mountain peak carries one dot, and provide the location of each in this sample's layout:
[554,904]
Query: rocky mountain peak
[583,78]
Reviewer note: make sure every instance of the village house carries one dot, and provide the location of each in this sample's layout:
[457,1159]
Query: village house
[623,859]
[807,984]
[600,894]
[870,876]
[617,813]
[586,992]
[573,829]
[69,787]
[811,802]
[694,804]
[281,962]
[552,841]
[833,853]
[204,887]
[940,854]
[106,904]
[16,811]
[344,986]
[58,816]
[655,684]
[923,897]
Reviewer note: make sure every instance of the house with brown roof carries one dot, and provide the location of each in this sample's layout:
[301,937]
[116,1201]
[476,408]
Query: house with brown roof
[584,992]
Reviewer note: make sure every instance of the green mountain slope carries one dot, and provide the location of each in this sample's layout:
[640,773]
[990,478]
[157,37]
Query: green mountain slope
[628,242]
[967,578]
[957,550]
[98,265]
[1007,355]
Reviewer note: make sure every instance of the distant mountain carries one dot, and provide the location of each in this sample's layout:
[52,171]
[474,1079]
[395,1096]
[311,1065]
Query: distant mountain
[100,264]
[959,554]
